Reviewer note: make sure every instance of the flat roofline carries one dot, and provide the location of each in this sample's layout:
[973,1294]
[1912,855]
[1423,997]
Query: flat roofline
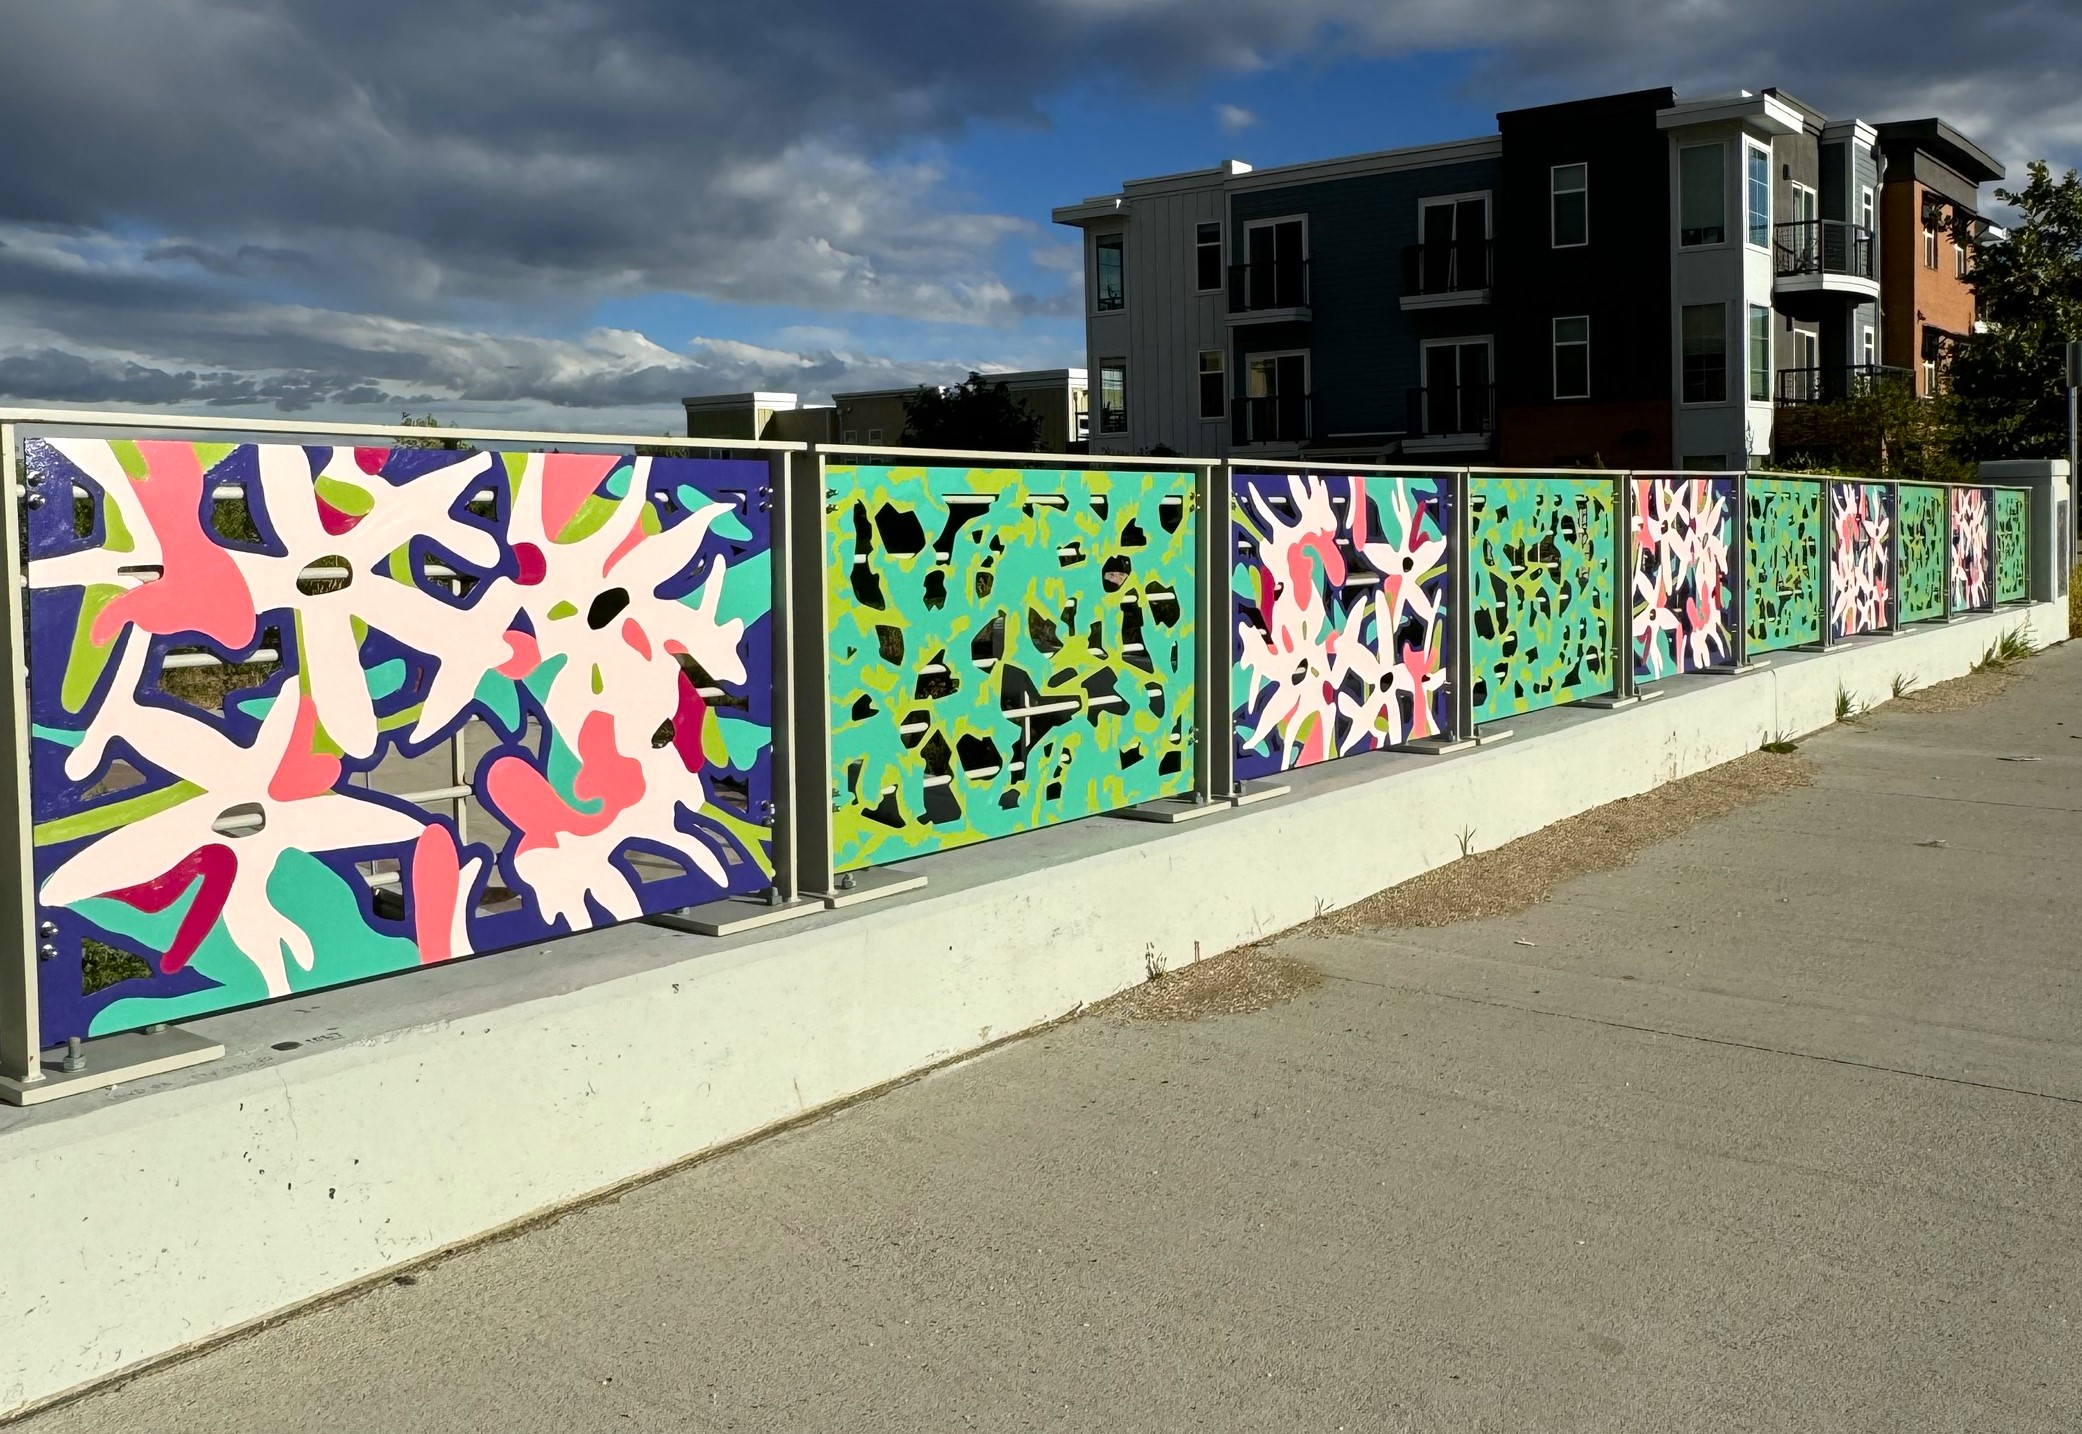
[1027,378]
[1945,144]
[739,400]
[1767,111]
[1380,160]
[1659,98]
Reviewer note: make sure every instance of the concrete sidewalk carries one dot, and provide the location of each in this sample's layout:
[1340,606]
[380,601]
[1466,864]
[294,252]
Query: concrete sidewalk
[1777,1128]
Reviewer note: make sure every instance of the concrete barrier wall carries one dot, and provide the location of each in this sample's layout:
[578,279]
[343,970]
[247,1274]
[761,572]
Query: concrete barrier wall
[167,1212]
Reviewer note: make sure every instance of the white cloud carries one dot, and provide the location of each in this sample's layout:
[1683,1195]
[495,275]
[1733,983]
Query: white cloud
[1234,119]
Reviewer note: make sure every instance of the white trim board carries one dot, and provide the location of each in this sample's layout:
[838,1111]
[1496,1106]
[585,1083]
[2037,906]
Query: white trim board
[456,1101]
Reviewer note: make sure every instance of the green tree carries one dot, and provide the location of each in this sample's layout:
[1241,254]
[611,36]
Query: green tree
[2009,379]
[427,420]
[977,414]
[1881,430]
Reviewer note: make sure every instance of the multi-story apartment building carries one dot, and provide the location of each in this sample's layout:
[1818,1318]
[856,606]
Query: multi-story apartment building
[1637,280]
[1928,206]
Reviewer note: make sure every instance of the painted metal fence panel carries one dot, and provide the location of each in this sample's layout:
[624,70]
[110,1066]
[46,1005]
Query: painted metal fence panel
[1541,625]
[2012,545]
[1925,552]
[1861,558]
[211,834]
[1782,562]
[1684,591]
[1340,615]
[1972,588]
[1008,650]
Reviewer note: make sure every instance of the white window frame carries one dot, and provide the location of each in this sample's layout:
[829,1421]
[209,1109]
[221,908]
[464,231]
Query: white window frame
[1488,210]
[1221,268]
[1868,210]
[1930,246]
[1868,346]
[1122,235]
[1554,194]
[1273,223]
[1727,338]
[1751,147]
[1200,373]
[1424,348]
[1722,146]
[1554,355]
[1308,370]
[874,435]
[1120,363]
[1958,259]
[1749,372]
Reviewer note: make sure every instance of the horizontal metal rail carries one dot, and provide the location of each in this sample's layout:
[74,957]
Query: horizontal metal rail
[96,418]
[1007,460]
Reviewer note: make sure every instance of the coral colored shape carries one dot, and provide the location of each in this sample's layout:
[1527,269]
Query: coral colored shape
[534,808]
[527,656]
[201,588]
[633,634]
[606,775]
[687,722]
[216,865]
[533,566]
[304,771]
[568,479]
[634,536]
[371,460]
[436,886]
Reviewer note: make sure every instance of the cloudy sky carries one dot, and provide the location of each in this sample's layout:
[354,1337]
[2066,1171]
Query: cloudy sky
[573,212]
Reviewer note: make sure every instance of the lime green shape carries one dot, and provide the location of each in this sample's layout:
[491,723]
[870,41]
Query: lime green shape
[350,498]
[562,610]
[110,815]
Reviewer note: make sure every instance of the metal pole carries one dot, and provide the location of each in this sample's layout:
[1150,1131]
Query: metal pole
[1460,631]
[1893,558]
[1825,578]
[21,1037]
[1951,521]
[2066,548]
[810,701]
[1738,550]
[1214,765]
[1624,564]
[782,814]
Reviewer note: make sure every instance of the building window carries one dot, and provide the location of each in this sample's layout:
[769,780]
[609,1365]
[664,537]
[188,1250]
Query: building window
[874,435]
[1868,347]
[1570,216]
[1109,263]
[1275,407]
[1759,354]
[1207,257]
[1572,358]
[1214,391]
[1865,210]
[1113,396]
[1759,196]
[1457,395]
[1702,194]
[1705,353]
[851,435]
[1929,245]
[1958,259]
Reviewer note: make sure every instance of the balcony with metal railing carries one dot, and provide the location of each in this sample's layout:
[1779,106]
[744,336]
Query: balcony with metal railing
[1274,418]
[1447,274]
[1825,256]
[1269,291]
[1449,418]
[1835,382]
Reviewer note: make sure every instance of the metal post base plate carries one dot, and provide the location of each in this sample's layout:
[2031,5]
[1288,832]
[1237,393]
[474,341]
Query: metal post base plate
[113,1060]
[1735,669]
[1438,746]
[870,886]
[1614,703]
[1169,811]
[1250,797]
[733,915]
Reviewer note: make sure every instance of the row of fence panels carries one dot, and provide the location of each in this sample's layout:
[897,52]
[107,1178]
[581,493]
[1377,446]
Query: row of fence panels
[301,715]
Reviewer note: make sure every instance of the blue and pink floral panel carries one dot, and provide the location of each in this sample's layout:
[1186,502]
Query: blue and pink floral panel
[1684,591]
[1340,615]
[247,664]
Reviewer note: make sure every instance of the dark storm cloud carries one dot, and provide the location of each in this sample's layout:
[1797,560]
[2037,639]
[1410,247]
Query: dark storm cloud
[303,202]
